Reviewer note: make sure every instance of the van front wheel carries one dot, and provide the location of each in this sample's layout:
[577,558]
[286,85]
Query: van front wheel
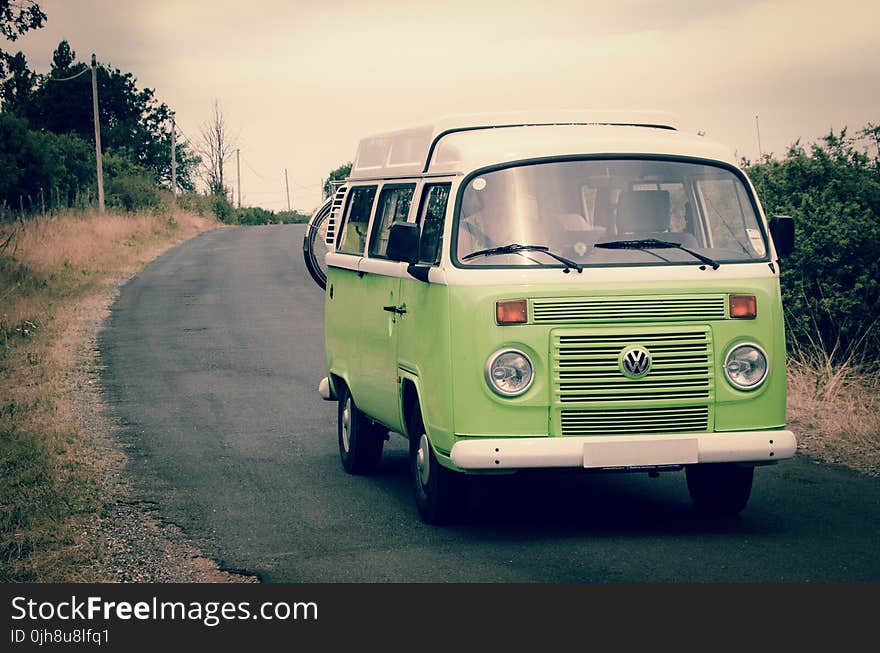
[440,493]
[360,440]
[719,490]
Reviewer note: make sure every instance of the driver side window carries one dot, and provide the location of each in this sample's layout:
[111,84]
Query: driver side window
[431,216]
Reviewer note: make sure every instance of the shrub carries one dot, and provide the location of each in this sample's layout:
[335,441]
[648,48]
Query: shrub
[133,193]
[196,203]
[831,283]
[222,209]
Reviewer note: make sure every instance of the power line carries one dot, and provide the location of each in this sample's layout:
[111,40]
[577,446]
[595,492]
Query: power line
[254,171]
[67,79]
[185,137]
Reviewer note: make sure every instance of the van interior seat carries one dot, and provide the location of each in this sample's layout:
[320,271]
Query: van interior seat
[645,214]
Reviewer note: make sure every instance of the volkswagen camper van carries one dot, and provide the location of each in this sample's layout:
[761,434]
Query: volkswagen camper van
[575,290]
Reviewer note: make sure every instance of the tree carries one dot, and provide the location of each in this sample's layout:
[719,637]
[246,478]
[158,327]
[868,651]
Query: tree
[339,174]
[16,18]
[216,150]
[17,90]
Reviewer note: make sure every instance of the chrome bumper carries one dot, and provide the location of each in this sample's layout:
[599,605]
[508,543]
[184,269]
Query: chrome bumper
[622,451]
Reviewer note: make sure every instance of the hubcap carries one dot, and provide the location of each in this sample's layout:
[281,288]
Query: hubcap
[346,425]
[423,459]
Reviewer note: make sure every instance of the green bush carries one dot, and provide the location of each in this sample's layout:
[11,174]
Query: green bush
[254,215]
[222,209]
[41,169]
[205,205]
[197,203]
[292,217]
[831,283]
[133,193]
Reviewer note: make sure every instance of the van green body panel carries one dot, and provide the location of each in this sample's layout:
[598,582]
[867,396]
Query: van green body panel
[424,351]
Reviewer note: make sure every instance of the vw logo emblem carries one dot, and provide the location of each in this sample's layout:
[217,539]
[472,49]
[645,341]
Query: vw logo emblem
[635,362]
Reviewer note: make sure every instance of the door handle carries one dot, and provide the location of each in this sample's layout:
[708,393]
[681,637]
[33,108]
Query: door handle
[397,310]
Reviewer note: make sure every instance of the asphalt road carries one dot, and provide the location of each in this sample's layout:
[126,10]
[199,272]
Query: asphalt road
[213,355]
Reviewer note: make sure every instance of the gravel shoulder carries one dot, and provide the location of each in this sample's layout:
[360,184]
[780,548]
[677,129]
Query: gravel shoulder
[136,544]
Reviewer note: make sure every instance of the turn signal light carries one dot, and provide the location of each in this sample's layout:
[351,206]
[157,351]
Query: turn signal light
[514,311]
[743,306]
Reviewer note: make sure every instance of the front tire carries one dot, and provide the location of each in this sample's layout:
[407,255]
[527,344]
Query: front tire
[440,493]
[360,440]
[719,490]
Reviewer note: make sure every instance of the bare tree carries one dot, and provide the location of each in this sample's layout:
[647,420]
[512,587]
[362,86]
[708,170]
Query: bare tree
[217,148]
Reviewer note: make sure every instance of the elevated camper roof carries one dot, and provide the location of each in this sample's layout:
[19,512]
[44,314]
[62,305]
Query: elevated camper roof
[459,143]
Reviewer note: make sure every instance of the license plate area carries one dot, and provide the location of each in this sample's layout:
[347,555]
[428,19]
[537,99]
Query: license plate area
[641,453]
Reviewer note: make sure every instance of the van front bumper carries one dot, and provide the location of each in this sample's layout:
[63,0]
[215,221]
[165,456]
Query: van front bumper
[624,451]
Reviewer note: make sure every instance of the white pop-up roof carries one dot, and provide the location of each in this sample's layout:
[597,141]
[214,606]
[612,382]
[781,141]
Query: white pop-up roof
[411,151]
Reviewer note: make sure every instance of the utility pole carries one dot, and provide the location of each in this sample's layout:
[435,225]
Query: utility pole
[758,130]
[238,173]
[287,187]
[174,161]
[98,159]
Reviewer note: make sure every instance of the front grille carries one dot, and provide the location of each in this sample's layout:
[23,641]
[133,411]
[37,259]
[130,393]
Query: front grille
[628,309]
[680,419]
[585,366]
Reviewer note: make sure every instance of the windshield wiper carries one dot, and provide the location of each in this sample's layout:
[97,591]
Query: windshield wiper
[516,248]
[654,243]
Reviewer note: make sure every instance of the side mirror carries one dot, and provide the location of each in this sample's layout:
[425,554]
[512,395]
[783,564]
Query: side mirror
[782,232]
[403,242]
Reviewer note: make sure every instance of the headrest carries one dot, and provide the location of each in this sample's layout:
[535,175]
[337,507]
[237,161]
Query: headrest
[643,211]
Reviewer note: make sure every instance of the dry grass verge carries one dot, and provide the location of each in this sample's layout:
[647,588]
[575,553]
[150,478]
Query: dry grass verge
[835,413]
[55,273]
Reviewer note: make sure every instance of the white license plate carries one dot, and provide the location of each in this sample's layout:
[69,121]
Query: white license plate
[646,453]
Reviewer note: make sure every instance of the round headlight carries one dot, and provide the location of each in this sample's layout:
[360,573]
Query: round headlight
[746,366]
[509,372]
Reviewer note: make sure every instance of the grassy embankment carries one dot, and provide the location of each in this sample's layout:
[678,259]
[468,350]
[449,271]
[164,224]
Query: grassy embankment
[57,276]
[834,409]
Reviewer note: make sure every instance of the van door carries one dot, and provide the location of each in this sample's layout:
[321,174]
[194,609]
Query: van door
[377,393]
[423,333]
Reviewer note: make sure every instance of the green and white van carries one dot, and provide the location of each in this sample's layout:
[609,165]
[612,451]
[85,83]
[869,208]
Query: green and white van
[575,290]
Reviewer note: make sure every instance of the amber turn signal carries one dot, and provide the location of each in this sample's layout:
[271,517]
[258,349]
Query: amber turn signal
[743,306]
[514,311]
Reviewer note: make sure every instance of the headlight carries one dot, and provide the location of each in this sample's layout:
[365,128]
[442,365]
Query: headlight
[509,372]
[746,366]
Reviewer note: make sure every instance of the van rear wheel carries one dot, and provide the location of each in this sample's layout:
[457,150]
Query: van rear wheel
[719,490]
[360,440]
[440,493]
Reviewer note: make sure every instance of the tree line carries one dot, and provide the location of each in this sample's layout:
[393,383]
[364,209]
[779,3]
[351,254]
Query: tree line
[47,137]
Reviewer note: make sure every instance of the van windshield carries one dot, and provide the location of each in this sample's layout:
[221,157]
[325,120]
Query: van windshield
[571,206]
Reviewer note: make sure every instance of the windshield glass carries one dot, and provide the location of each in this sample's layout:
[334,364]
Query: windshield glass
[570,206]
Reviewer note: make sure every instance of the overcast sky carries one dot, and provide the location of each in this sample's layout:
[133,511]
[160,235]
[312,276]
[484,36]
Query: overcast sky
[301,82]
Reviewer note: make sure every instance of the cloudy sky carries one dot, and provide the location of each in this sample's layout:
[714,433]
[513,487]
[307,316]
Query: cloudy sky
[301,81]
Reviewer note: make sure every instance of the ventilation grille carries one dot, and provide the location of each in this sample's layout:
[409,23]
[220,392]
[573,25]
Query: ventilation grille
[333,218]
[680,419]
[628,309]
[585,366]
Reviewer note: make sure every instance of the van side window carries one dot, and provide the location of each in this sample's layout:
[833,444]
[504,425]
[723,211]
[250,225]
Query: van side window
[431,214]
[394,203]
[353,234]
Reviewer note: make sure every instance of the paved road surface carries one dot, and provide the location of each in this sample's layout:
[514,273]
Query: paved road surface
[213,356]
